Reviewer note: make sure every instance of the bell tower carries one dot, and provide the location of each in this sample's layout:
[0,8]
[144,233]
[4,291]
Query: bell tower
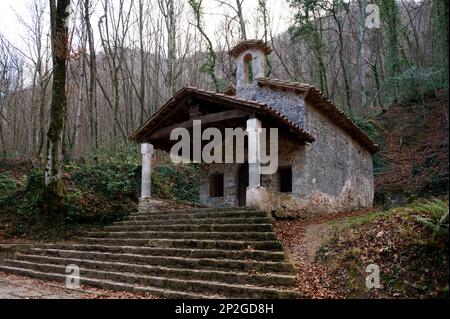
[250,56]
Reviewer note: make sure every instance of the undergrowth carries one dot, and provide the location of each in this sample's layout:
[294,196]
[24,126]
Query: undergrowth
[100,188]
[409,244]
[370,128]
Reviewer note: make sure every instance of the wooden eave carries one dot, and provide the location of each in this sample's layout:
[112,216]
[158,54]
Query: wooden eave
[189,94]
[250,44]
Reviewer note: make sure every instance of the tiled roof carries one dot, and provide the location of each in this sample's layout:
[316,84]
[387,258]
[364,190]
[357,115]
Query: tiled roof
[323,104]
[233,101]
[248,44]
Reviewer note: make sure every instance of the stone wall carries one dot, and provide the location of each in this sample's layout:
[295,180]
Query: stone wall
[230,179]
[290,154]
[333,173]
[340,170]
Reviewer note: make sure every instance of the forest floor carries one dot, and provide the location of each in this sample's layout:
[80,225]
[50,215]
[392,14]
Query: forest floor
[409,244]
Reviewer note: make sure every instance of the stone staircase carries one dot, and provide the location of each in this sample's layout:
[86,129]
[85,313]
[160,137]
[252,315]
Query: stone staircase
[199,253]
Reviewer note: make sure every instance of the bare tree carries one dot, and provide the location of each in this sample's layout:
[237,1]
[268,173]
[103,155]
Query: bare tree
[239,15]
[113,30]
[167,8]
[92,87]
[210,66]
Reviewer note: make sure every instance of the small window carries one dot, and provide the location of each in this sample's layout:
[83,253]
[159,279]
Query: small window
[285,179]
[248,68]
[216,185]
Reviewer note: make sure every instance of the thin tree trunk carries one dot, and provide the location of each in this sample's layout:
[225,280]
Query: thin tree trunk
[2,138]
[167,8]
[348,93]
[142,57]
[212,57]
[241,19]
[361,73]
[262,5]
[81,76]
[92,90]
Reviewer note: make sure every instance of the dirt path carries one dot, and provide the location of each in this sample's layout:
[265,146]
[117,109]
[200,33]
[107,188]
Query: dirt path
[19,287]
[302,240]
[315,236]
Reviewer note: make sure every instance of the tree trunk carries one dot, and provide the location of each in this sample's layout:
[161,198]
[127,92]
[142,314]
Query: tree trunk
[241,19]
[348,93]
[361,73]
[92,90]
[262,7]
[390,15]
[212,57]
[142,59]
[81,75]
[53,190]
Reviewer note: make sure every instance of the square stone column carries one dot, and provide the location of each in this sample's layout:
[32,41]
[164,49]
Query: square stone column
[254,167]
[146,186]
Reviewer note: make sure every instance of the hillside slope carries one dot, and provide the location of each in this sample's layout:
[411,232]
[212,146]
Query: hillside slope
[414,155]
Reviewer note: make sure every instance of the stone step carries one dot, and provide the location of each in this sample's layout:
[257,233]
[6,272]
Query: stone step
[193,228]
[106,263]
[204,221]
[281,267]
[189,253]
[176,252]
[197,215]
[191,286]
[195,210]
[108,284]
[271,245]
[256,236]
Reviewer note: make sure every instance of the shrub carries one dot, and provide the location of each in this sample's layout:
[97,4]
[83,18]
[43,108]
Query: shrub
[99,189]
[109,178]
[8,185]
[112,172]
[368,126]
[435,216]
[416,82]
[176,182]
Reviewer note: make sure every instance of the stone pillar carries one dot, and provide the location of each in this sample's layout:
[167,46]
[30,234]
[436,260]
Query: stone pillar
[254,174]
[146,188]
[254,168]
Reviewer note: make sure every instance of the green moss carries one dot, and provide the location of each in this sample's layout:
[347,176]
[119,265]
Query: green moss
[369,127]
[8,185]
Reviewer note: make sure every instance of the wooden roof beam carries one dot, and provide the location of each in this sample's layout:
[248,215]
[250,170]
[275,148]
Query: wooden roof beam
[206,119]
